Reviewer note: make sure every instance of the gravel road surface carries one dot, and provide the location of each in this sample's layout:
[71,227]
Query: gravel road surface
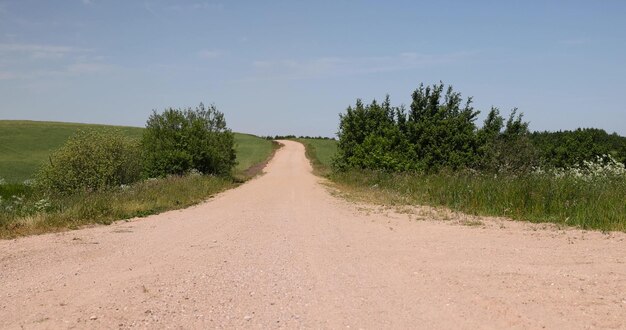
[282,252]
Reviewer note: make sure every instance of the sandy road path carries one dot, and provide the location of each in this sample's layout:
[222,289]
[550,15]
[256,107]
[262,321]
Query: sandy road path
[280,251]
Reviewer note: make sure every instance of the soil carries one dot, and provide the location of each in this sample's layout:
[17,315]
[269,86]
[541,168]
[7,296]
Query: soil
[282,251]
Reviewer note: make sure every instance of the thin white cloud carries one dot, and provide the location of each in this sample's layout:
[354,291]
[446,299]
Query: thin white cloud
[88,67]
[39,51]
[341,66]
[26,61]
[7,75]
[205,5]
[158,9]
[209,54]
[87,2]
[574,42]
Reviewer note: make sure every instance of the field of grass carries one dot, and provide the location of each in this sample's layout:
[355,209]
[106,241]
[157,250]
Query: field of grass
[320,152]
[25,145]
[251,150]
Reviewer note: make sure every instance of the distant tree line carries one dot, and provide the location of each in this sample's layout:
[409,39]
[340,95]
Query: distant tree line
[438,131]
[568,148]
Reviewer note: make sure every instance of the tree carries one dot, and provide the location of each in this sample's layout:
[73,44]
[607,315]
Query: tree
[179,140]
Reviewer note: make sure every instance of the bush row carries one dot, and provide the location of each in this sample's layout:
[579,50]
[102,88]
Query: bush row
[175,142]
[439,131]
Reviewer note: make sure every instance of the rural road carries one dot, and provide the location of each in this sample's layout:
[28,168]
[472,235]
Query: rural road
[281,251]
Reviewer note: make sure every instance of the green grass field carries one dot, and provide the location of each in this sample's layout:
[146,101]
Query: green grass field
[320,152]
[251,150]
[25,145]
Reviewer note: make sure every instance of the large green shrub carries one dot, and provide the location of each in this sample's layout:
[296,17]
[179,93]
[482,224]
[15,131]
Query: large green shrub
[91,161]
[179,140]
[438,132]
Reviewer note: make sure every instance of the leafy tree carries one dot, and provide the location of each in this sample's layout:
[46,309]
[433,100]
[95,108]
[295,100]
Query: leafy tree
[443,134]
[369,137]
[179,140]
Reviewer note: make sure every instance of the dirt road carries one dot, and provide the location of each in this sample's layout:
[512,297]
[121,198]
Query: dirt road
[280,251]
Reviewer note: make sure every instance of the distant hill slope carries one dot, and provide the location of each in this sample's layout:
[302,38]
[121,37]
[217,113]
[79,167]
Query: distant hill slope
[25,145]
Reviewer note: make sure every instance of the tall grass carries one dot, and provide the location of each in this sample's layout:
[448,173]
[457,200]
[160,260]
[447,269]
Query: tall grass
[24,214]
[591,196]
[589,204]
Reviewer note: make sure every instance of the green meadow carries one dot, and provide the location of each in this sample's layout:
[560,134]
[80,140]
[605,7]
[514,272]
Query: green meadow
[25,145]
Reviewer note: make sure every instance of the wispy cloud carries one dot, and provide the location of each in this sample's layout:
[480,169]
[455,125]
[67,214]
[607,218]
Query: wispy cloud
[7,75]
[25,61]
[87,2]
[88,67]
[209,54]
[204,5]
[340,66]
[39,51]
[157,9]
[574,42]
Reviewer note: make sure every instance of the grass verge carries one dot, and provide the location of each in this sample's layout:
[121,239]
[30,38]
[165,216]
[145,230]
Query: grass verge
[320,152]
[24,211]
[598,204]
[36,214]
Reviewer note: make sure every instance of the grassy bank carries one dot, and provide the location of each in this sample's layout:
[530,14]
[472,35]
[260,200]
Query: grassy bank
[252,151]
[25,145]
[593,203]
[598,204]
[25,211]
[35,214]
[320,152]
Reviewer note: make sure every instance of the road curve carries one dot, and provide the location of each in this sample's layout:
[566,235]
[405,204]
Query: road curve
[280,251]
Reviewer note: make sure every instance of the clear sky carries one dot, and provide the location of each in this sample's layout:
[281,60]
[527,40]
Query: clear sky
[279,67]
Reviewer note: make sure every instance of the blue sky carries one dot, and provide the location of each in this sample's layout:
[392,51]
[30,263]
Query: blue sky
[279,67]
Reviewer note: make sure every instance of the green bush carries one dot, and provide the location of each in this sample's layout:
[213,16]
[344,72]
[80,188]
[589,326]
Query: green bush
[437,132]
[180,140]
[91,161]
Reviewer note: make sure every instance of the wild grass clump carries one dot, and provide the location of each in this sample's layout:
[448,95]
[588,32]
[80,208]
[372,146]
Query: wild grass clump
[596,200]
[33,213]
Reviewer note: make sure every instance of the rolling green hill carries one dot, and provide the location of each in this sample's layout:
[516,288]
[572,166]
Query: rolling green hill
[25,145]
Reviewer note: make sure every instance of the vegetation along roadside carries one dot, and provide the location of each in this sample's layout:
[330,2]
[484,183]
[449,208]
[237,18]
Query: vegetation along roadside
[99,174]
[389,155]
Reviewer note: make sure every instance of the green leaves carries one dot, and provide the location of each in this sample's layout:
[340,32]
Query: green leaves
[91,161]
[179,140]
[437,132]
